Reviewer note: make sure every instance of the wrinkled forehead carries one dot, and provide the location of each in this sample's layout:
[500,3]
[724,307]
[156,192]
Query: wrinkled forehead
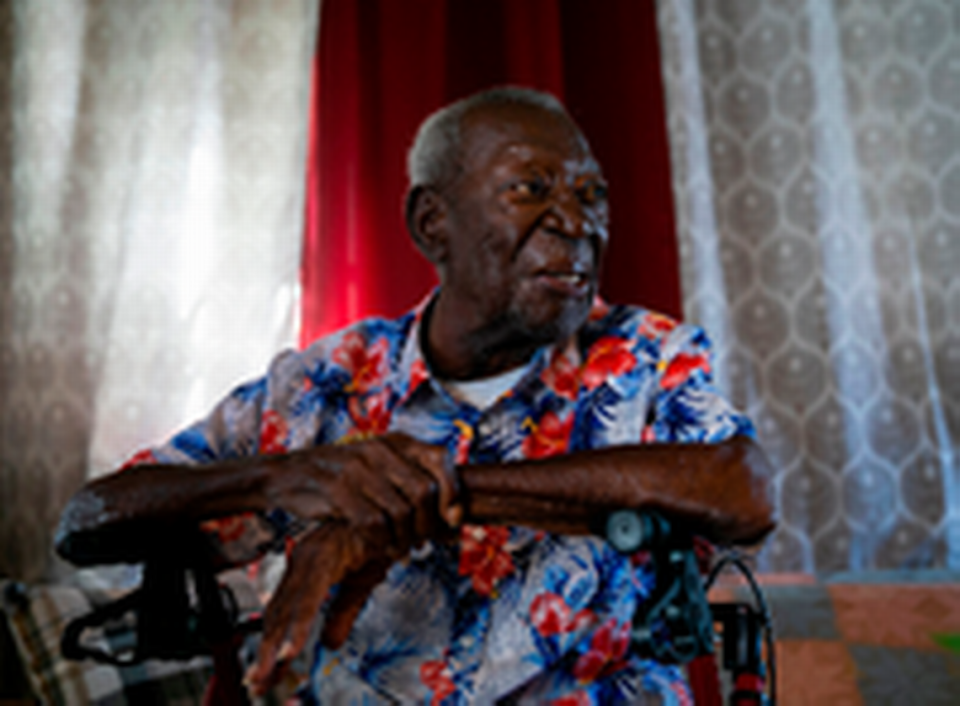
[489,131]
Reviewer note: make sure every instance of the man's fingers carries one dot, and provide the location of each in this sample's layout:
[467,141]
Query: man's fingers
[350,600]
[316,563]
[420,489]
[377,483]
[435,461]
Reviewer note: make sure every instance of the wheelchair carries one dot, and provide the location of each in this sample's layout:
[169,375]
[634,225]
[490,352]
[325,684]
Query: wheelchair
[181,610]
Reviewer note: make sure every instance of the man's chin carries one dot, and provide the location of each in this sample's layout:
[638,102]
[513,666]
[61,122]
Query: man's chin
[557,325]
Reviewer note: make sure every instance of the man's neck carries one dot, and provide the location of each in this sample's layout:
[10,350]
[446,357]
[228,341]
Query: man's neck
[459,350]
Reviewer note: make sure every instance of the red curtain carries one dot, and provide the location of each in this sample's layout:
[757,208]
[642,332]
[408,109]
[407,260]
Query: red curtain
[382,66]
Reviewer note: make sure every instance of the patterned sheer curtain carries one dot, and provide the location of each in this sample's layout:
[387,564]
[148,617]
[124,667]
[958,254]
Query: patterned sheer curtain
[151,157]
[816,153]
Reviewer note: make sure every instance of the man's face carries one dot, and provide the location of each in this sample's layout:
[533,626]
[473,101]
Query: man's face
[527,225]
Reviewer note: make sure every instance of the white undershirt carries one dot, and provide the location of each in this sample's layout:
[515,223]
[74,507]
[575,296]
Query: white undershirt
[484,392]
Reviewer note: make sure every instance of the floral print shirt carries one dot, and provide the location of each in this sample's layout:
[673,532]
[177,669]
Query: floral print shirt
[508,612]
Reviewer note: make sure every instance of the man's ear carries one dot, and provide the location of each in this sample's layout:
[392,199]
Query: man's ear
[426,212]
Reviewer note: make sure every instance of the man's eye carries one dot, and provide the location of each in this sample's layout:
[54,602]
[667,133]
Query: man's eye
[593,192]
[530,188]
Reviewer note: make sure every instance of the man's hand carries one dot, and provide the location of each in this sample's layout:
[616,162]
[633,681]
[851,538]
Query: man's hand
[391,482]
[376,500]
[323,558]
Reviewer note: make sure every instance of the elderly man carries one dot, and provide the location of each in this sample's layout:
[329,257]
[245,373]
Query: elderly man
[436,475]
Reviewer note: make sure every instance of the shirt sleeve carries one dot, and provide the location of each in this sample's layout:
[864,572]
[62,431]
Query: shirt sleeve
[254,418]
[687,406]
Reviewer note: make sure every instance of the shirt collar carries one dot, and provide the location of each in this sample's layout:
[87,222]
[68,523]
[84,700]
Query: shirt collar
[547,363]
[413,371]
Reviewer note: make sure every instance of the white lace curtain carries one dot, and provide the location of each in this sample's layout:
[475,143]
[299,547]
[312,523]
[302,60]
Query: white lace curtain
[152,162]
[816,159]
[151,171]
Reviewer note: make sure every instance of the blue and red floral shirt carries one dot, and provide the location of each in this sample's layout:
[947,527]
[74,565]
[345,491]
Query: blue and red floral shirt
[506,612]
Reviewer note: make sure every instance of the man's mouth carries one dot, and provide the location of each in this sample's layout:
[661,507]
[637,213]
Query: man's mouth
[565,282]
[569,277]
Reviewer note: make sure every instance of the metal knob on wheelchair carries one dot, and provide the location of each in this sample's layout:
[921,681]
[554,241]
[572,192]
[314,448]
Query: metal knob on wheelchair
[629,531]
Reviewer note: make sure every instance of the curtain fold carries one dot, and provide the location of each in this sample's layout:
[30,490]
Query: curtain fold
[381,67]
[816,167]
[150,218]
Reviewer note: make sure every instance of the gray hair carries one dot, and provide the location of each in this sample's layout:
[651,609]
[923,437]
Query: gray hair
[434,156]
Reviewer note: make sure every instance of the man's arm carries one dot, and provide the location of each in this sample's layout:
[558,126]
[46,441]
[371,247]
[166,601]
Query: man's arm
[719,491]
[391,486]
[101,522]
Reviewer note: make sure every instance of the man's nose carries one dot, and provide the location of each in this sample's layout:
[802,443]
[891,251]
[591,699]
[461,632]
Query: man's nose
[569,216]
